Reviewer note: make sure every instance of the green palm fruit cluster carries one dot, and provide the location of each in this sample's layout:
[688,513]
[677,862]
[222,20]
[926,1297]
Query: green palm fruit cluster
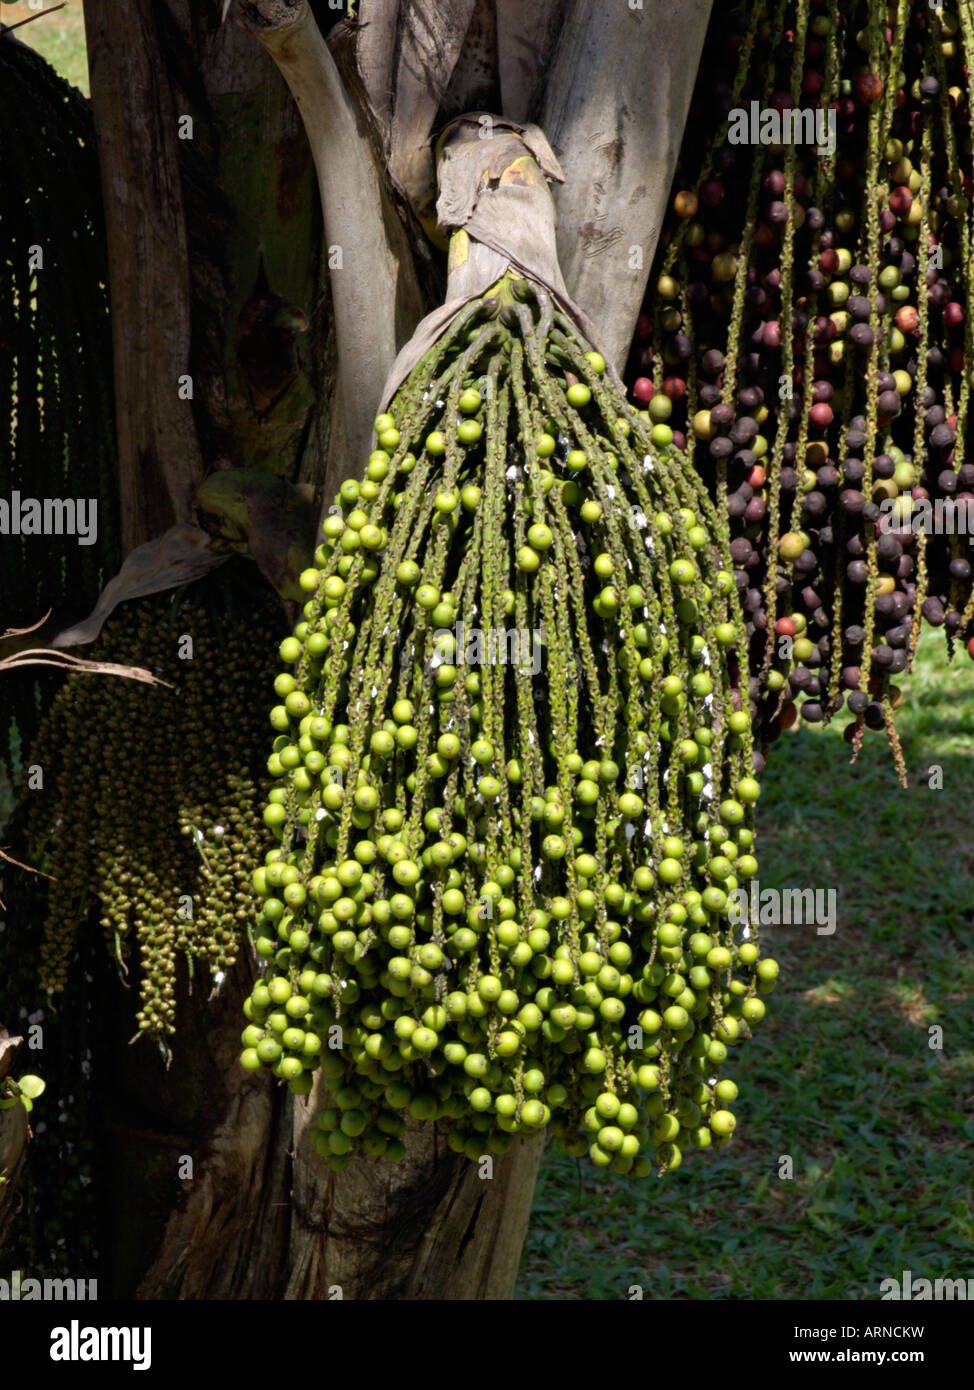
[149,811]
[513,788]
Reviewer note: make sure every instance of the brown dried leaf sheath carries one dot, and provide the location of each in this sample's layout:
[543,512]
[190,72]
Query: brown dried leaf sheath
[178,556]
[495,189]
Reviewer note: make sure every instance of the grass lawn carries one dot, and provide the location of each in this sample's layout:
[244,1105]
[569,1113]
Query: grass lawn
[840,1075]
[59,37]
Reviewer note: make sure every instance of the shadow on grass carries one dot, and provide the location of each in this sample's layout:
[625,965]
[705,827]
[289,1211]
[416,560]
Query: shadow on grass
[844,1078]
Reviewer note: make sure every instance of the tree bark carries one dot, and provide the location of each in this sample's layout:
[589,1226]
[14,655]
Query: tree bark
[614,110]
[375,290]
[159,455]
[206,244]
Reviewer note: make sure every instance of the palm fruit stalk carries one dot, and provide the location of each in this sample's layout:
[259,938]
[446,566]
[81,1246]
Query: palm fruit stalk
[513,786]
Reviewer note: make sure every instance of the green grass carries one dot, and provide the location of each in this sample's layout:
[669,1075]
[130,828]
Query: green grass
[59,37]
[840,1075]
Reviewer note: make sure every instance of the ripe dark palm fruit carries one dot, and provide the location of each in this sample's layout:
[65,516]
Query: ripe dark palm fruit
[513,773]
[150,810]
[844,331]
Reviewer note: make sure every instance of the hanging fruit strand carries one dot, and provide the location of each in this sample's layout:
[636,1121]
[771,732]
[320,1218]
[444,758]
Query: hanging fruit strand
[830,400]
[515,902]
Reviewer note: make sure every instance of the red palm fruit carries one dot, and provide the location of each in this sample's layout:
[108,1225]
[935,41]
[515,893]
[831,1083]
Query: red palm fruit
[789,712]
[869,87]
